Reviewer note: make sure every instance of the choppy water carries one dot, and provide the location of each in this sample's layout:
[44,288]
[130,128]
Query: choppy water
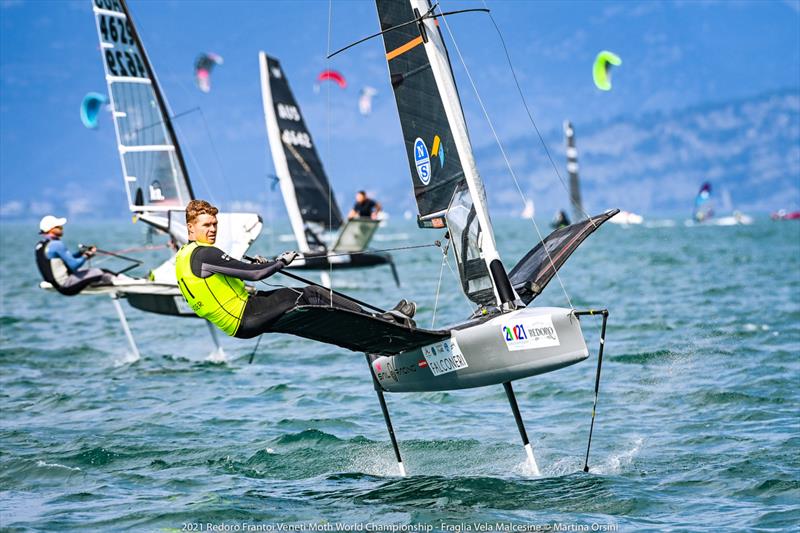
[698,425]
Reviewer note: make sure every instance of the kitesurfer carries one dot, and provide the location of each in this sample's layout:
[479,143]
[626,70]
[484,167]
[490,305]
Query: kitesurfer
[364,207]
[59,266]
[213,283]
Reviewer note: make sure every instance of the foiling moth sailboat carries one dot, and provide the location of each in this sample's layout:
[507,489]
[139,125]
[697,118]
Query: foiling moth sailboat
[504,339]
[578,212]
[153,169]
[306,191]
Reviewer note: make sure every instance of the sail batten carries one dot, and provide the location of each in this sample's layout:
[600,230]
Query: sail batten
[154,173]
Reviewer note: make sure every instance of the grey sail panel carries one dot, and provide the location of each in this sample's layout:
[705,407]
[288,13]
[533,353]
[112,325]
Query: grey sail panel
[531,275]
[312,189]
[466,236]
[152,165]
[434,164]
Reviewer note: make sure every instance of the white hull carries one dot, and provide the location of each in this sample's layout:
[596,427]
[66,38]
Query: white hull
[480,355]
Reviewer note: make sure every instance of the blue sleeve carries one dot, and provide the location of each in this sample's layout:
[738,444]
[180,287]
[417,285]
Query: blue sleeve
[57,248]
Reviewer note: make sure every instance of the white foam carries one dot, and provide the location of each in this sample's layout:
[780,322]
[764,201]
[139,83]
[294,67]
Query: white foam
[56,465]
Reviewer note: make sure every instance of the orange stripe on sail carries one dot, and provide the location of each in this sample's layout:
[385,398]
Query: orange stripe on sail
[404,48]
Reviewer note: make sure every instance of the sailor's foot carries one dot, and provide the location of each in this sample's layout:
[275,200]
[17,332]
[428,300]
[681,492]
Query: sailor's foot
[402,313]
[404,307]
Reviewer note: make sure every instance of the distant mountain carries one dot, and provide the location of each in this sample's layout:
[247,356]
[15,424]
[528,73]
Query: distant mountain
[656,162]
[650,163]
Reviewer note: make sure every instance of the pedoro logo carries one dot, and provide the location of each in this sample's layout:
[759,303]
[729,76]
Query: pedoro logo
[422,161]
[537,332]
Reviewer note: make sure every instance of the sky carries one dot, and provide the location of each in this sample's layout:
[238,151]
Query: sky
[675,55]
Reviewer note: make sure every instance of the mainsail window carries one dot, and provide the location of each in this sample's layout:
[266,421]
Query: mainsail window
[466,236]
[138,116]
[156,174]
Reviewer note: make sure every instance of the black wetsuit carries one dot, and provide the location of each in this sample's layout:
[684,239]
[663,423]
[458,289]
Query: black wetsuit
[365,208]
[263,307]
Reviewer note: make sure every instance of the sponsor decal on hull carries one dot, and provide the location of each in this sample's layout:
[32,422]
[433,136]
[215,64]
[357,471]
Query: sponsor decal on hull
[529,333]
[444,357]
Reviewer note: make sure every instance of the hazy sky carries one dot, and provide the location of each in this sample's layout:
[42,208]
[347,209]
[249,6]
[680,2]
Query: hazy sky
[675,55]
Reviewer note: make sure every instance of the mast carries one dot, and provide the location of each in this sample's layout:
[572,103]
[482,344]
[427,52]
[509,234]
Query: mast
[572,170]
[153,167]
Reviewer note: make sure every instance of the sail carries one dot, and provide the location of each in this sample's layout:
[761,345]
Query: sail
[446,180]
[152,165]
[433,162]
[572,170]
[703,205]
[304,185]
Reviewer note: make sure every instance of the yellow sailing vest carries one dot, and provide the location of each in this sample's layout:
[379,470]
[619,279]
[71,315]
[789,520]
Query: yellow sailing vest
[218,298]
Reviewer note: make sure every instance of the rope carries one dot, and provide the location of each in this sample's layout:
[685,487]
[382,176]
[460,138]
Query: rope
[216,155]
[328,140]
[139,249]
[530,117]
[188,150]
[439,284]
[381,250]
[505,157]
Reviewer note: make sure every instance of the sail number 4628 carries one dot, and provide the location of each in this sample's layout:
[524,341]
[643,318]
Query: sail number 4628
[295,138]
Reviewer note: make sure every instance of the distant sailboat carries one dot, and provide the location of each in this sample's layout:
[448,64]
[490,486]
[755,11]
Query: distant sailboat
[578,212]
[529,210]
[572,169]
[306,191]
[154,172]
[704,209]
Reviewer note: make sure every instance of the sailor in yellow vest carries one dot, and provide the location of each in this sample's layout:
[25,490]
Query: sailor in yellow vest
[213,283]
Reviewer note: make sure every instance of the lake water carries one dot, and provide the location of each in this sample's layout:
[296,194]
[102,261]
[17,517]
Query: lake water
[698,423]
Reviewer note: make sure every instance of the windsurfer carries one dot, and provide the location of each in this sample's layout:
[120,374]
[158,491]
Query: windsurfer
[213,283]
[365,207]
[59,266]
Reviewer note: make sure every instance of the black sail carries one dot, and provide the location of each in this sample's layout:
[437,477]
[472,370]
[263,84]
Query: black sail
[434,164]
[312,191]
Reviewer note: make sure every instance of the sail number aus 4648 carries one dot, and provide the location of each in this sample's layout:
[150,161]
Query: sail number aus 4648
[296,138]
[288,112]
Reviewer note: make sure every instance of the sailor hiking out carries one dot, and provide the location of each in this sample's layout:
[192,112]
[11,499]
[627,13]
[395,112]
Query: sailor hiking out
[60,267]
[365,207]
[213,283]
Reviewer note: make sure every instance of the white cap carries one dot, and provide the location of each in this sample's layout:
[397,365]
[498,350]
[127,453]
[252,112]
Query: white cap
[49,222]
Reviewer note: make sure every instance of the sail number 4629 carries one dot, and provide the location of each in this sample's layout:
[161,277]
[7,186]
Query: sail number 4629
[295,138]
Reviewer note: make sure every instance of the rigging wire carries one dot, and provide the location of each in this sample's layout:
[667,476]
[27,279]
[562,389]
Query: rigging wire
[505,157]
[328,140]
[439,283]
[530,117]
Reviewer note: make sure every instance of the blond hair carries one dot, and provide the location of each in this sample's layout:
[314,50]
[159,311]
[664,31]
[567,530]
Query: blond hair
[195,208]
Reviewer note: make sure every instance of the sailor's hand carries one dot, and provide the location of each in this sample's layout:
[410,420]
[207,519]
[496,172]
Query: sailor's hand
[261,260]
[89,251]
[287,257]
